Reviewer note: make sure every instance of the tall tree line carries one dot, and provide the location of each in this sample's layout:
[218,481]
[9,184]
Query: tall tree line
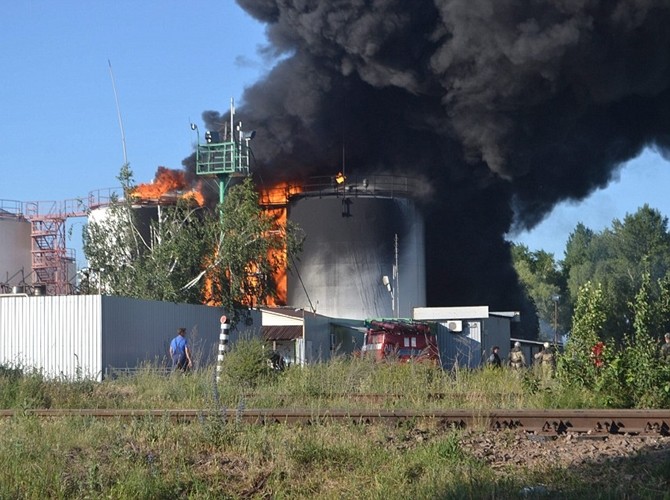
[631,254]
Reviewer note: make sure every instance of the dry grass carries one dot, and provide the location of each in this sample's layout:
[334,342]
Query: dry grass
[213,458]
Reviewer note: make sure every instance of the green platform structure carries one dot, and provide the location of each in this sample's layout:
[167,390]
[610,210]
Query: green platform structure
[225,153]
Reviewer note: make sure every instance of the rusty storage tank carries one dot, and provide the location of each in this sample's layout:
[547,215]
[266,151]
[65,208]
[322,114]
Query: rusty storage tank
[15,247]
[364,251]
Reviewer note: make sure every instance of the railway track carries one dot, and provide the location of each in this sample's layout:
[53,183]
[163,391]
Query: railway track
[547,422]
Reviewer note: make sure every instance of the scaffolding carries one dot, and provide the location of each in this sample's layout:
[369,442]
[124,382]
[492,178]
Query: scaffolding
[50,257]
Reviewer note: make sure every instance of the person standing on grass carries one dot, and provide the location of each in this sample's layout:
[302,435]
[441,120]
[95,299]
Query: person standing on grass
[517,360]
[180,352]
[494,359]
[547,361]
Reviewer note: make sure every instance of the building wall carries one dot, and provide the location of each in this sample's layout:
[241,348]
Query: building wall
[471,347]
[460,349]
[347,336]
[316,344]
[496,331]
[317,338]
[529,348]
[276,318]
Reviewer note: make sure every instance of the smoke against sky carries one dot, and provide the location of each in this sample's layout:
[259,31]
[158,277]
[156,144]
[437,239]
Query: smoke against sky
[505,106]
[508,108]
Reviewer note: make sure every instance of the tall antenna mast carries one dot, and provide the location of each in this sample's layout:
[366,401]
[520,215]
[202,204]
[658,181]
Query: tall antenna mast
[118,113]
[396,276]
[232,118]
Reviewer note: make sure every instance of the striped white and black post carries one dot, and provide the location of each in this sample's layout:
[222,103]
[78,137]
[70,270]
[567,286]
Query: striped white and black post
[223,345]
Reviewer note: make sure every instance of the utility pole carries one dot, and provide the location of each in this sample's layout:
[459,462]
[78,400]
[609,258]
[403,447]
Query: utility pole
[396,277]
[555,298]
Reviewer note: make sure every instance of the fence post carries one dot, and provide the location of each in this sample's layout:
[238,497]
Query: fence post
[223,345]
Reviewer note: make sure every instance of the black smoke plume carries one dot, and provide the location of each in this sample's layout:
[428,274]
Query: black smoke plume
[507,106]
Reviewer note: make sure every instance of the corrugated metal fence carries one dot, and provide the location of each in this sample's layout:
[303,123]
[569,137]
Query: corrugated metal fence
[85,335]
[58,335]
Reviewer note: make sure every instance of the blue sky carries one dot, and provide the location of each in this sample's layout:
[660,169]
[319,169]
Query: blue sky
[644,179]
[60,137]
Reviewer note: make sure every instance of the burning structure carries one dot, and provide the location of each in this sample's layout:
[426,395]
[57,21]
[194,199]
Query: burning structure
[146,200]
[363,253]
[506,107]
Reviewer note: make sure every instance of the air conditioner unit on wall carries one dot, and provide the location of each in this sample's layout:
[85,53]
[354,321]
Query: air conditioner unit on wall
[455,325]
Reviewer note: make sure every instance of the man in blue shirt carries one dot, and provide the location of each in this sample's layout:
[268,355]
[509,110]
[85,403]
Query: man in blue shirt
[180,352]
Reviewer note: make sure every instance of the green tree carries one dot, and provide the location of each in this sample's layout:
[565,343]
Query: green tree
[150,261]
[250,248]
[576,366]
[616,259]
[643,376]
[544,284]
[189,253]
[663,318]
[633,376]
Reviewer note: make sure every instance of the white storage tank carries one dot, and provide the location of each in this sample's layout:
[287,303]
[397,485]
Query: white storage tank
[15,246]
[364,253]
[144,215]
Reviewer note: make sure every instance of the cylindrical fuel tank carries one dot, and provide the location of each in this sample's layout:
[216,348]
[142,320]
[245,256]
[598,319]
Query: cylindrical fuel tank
[143,216]
[15,246]
[352,245]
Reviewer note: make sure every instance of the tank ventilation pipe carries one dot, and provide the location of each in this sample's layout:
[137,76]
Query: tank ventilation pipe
[223,345]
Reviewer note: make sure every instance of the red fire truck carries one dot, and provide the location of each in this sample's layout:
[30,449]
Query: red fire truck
[400,340]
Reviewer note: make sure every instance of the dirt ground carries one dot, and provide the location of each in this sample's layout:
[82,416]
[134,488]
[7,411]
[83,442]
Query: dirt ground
[499,449]
[620,461]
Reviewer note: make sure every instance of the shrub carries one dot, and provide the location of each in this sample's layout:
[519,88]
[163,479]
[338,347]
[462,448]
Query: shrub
[246,363]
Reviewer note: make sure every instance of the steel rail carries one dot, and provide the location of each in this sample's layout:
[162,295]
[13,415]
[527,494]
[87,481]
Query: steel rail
[549,422]
[391,396]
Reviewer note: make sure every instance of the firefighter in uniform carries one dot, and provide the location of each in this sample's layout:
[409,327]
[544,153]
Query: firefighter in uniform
[547,361]
[517,360]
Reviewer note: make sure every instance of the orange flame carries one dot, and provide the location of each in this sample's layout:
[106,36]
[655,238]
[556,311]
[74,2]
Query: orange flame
[274,201]
[168,182]
[196,195]
[208,291]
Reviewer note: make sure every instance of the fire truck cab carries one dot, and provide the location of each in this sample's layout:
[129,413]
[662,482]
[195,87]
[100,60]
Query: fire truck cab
[399,340]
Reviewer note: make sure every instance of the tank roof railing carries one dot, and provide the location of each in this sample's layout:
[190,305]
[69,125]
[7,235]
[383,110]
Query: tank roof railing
[75,207]
[104,197]
[351,186]
[11,208]
[383,186]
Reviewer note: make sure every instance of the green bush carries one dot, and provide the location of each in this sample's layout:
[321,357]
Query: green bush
[246,364]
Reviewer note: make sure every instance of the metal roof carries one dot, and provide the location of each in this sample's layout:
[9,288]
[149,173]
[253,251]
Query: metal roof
[282,332]
[285,311]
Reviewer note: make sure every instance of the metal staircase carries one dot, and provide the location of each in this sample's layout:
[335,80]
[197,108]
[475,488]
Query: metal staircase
[49,255]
